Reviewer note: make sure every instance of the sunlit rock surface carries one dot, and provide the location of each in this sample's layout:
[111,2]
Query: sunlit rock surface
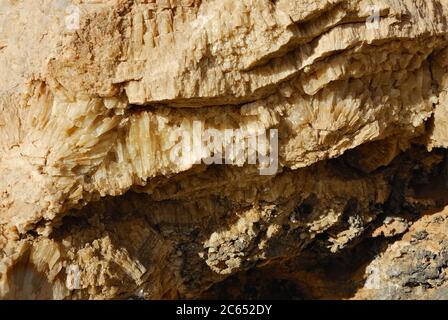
[338,114]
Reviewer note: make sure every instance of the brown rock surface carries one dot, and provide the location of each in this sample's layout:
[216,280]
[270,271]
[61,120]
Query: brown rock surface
[98,201]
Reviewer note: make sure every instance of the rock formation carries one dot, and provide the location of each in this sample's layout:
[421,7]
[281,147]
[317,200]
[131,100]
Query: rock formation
[189,148]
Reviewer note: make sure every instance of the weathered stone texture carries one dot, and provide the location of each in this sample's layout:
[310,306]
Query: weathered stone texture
[88,115]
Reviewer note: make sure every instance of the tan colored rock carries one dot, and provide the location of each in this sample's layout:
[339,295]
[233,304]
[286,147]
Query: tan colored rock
[414,267]
[98,201]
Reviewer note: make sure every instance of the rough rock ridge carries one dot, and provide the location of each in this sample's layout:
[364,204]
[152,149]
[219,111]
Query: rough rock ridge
[97,200]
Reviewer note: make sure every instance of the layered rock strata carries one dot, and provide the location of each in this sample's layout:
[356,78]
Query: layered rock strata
[325,132]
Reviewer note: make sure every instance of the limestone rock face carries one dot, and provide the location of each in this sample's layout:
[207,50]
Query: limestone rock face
[174,148]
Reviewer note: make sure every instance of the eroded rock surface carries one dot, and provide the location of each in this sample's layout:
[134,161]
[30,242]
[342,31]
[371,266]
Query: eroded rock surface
[98,201]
